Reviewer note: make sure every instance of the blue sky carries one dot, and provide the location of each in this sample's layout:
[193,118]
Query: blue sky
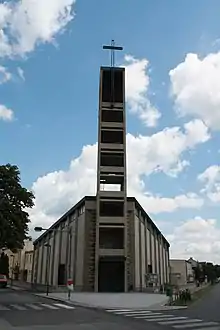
[55,105]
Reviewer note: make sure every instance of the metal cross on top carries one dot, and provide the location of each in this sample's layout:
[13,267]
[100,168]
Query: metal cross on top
[113,48]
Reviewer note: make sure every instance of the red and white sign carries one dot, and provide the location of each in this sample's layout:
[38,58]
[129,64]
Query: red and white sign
[70,284]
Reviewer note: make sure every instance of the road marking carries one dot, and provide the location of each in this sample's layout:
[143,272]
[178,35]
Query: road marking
[159,318]
[118,310]
[18,307]
[133,312]
[205,324]
[210,328]
[139,314]
[65,306]
[168,318]
[180,321]
[37,308]
[153,316]
[143,316]
[49,306]
[3,308]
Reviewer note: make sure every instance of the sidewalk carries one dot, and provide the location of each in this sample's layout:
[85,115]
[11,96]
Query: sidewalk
[19,285]
[104,301]
[132,300]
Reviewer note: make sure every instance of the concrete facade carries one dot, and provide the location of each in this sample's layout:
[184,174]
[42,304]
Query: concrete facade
[149,250]
[181,272]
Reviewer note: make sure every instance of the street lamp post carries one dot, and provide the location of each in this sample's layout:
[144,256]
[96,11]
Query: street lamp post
[48,267]
[68,272]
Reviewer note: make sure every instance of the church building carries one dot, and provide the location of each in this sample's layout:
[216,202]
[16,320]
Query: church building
[107,242]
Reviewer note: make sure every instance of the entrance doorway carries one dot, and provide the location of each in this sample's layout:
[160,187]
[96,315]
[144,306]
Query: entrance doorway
[111,274]
[61,274]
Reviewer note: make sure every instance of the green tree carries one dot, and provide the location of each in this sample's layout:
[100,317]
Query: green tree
[4,264]
[210,271]
[14,199]
[199,276]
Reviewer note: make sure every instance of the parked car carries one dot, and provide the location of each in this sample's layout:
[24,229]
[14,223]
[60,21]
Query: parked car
[3,281]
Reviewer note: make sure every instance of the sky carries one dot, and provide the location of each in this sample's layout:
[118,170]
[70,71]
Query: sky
[50,57]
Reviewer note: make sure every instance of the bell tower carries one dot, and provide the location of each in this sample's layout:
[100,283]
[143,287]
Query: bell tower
[111,198]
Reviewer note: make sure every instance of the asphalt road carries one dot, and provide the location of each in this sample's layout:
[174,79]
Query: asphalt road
[206,308]
[20,310]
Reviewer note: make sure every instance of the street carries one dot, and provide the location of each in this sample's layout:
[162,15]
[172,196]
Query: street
[20,310]
[206,308]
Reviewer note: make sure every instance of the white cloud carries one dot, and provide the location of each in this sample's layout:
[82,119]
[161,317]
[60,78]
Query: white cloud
[137,87]
[161,152]
[195,88]
[211,178]
[56,192]
[5,75]
[198,238]
[24,24]
[6,114]
[21,73]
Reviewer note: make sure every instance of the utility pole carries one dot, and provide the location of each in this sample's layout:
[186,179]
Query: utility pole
[48,268]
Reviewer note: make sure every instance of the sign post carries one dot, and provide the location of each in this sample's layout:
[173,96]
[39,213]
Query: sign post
[70,287]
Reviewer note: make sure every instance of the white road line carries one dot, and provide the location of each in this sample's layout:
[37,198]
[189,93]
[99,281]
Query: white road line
[133,312]
[118,310]
[180,321]
[204,324]
[150,315]
[168,318]
[49,306]
[37,308]
[139,314]
[18,307]
[3,308]
[210,328]
[65,306]
[147,316]
[156,319]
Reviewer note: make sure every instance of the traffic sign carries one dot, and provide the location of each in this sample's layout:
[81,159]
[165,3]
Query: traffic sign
[70,285]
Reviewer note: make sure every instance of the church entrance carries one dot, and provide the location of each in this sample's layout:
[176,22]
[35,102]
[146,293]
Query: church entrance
[111,274]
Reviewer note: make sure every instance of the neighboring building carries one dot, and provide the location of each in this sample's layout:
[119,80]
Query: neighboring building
[20,263]
[181,272]
[107,242]
[193,262]
[26,274]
